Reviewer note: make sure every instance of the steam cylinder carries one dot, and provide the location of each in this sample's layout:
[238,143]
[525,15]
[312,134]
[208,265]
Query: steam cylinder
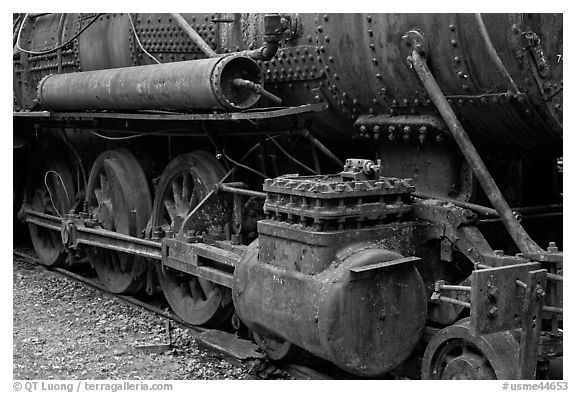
[196,84]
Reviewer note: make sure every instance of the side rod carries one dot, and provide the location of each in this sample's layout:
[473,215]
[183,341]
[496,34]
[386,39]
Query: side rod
[514,228]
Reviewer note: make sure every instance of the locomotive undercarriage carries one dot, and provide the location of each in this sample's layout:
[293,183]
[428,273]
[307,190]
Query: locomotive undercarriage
[190,239]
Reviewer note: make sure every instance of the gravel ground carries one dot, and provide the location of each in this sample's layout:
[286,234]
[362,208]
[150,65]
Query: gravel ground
[64,330]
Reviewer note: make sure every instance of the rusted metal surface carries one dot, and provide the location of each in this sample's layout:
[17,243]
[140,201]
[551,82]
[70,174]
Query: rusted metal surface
[532,323]
[509,49]
[331,279]
[51,191]
[521,238]
[223,187]
[119,200]
[194,36]
[196,84]
[252,115]
[339,257]
[453,353]
[497,301]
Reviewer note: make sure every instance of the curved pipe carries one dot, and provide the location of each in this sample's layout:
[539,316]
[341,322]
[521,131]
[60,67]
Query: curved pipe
[494,55]
[272,35]
[264,53]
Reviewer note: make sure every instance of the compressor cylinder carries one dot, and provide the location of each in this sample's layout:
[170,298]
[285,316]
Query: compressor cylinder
[323,277]
[181,86]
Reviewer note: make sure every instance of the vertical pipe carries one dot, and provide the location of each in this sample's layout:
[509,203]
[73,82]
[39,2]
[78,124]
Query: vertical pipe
[516,231]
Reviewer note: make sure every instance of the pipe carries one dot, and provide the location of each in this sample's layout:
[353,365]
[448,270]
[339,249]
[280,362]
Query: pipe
[516,231]
[222,187]
[456,288]
[323,148]
[494,55]
[466,205]
[194,36]
[177,86]
[454,301]
[258,89]
[272,35]
[264,53]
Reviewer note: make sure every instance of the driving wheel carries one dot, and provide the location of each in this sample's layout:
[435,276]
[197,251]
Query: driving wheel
[185,182]
[52,192]
[118,197]
[453,353]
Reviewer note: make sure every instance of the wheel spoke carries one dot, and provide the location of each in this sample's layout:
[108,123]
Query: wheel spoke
[170,209]
[195,199]
[195,290]
[177,192]
[118,195]
[104,187]
[207,287]
[186,187]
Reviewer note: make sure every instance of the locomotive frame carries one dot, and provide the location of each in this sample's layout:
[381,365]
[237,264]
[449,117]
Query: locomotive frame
[310,261]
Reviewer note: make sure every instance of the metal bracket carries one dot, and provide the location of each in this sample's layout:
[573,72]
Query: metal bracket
[364,272]
[414,40]
[532,323]
[497,302]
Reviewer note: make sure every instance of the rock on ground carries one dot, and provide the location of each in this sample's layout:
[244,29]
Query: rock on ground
[65,330]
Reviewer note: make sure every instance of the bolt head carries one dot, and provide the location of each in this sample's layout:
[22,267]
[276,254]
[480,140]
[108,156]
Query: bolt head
[493,293]
[492,312]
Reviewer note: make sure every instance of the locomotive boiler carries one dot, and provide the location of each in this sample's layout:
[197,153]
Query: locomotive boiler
[374,189]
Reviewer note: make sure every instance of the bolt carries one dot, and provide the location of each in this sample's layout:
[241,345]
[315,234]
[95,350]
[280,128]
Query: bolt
[552,247]
[540,293]
[492,312]
[493,293]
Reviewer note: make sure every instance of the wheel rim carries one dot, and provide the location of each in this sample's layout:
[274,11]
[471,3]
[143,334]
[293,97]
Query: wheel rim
[52,190]
[185,182]
[453,353]
[119,198]
[459,359]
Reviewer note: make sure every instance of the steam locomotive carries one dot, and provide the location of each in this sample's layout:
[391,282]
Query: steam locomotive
[368,188]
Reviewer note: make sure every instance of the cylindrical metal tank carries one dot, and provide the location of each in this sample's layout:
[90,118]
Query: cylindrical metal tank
[365,326]
[501,72]
[195,84]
